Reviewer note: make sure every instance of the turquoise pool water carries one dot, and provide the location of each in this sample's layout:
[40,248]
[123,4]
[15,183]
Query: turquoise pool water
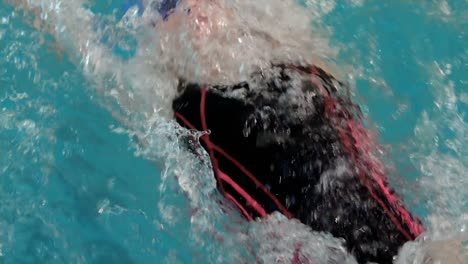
[72,189]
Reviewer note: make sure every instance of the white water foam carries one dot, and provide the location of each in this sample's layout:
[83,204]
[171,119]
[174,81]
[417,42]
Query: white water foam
[256,33]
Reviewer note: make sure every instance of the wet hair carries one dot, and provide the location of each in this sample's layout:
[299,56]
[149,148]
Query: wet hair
[294,146]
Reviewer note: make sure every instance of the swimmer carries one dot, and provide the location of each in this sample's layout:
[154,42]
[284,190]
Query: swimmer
[289,139]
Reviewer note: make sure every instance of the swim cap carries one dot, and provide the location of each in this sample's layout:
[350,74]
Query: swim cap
[164,8]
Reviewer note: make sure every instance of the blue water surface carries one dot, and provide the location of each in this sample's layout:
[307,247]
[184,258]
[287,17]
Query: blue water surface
[73,191]
[60,163]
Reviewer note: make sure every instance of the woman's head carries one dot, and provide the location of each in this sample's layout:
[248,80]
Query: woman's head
[226,40]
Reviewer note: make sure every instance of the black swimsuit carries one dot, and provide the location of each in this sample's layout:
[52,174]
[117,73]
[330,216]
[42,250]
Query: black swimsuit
[288,140]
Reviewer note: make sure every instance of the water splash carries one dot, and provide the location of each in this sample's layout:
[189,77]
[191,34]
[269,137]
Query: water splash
[138,92]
